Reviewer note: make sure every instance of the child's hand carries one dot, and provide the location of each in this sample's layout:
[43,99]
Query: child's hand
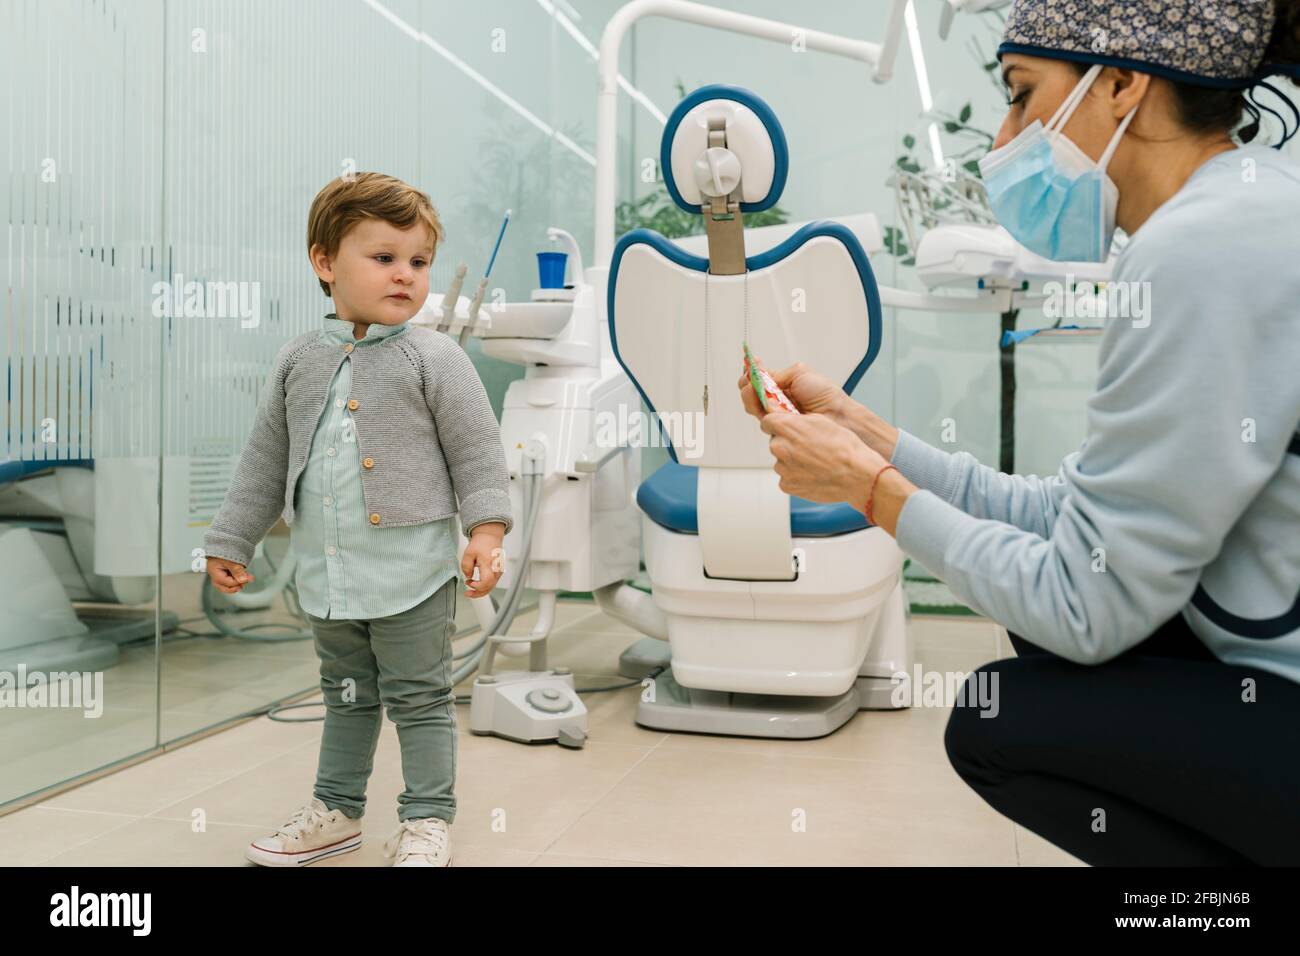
[484,552]
[227,576]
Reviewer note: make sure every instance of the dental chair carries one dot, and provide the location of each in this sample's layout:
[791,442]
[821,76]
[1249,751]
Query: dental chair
[44,527]
[70,531]
[784,616]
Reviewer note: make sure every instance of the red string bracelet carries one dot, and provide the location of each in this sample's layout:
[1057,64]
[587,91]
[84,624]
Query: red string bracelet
[871,494]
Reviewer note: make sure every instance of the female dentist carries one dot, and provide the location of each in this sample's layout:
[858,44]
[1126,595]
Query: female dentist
[1153,584]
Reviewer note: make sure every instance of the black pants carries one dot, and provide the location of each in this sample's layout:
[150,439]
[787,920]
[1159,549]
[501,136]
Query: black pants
[1152,758]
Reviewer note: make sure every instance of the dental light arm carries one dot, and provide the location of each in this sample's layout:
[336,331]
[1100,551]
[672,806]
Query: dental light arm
[966,6]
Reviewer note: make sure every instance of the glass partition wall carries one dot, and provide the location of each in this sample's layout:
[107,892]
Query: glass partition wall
[160,160]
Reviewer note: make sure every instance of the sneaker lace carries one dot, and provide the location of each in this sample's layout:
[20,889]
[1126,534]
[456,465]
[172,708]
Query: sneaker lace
[420,836]
[303,820]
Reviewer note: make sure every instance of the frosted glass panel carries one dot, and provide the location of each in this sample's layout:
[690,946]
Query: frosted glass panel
[160,163]
[81,247]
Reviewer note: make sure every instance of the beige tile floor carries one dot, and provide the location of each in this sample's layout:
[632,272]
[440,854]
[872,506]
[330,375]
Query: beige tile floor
[879,791]
[205,682]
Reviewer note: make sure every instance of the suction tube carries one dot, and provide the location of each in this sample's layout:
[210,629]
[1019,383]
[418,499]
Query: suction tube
[532,490]
[258,600]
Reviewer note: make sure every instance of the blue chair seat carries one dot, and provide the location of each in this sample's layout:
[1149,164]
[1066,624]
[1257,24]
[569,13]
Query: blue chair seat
[668,497]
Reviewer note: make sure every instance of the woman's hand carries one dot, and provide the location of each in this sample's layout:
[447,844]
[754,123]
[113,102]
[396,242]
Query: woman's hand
[814,394]
[820,460]
[825,462]
[484,552]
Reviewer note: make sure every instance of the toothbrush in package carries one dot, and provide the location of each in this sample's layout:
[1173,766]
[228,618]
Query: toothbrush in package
[769,393]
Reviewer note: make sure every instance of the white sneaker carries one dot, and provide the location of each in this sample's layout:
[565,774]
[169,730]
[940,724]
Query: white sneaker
[313,833]
[425,841]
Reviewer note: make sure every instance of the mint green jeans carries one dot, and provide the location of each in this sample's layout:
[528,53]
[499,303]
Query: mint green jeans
[404,662]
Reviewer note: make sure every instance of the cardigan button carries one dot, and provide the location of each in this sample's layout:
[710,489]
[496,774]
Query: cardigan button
[348,347]
[374,518]
[352,404]
[368,462]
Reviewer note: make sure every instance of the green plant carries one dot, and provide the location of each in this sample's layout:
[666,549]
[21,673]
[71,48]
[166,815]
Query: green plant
[657,211]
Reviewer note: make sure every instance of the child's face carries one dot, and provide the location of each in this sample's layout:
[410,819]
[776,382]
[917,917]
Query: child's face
[376,263]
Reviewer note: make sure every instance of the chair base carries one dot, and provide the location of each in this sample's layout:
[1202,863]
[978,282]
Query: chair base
[842,617]
[672,707]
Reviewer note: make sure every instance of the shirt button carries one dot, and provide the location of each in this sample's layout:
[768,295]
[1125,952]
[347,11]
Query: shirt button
[329,451]
[374,518]
[338,403]
[328,501]
[348,347]
[352,404]
[331,549]
[368,462]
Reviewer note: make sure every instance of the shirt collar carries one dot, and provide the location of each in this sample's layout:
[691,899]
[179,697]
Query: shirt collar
[341,330]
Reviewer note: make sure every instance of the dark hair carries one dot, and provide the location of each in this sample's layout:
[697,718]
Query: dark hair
[1203,109]
[1284,45]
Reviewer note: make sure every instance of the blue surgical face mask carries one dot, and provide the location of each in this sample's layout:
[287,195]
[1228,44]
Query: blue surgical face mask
[1053,199]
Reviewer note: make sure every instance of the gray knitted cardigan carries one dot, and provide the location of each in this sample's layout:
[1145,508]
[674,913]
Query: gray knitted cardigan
[424,429]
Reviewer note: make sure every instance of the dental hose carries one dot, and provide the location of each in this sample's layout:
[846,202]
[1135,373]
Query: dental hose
[282,579]
[505,614]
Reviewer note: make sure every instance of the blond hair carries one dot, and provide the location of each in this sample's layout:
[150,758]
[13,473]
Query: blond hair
[348,200]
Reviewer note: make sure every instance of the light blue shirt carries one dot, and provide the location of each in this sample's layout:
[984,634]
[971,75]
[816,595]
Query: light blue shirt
[348,569]
[1185,495]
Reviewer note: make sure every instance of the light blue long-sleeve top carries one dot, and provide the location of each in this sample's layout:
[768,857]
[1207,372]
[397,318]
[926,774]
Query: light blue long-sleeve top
[347,569]
[1185,494]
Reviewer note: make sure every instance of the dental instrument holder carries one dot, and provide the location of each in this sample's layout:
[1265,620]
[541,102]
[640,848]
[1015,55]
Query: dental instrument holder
[452,295]
[477,302]
[453,314]
[586,521]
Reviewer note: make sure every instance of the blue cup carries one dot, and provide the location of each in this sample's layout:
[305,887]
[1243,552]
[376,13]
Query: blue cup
[550,269]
